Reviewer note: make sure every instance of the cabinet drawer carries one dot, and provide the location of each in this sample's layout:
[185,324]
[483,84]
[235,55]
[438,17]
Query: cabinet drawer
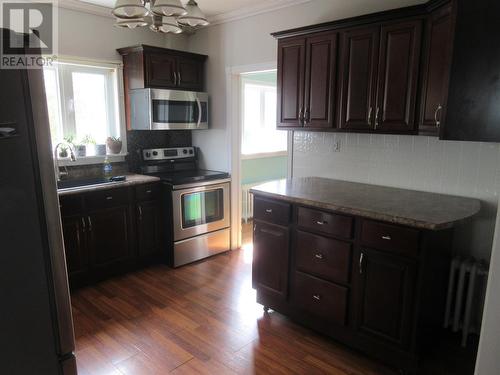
[320,298]
[329,223]
[271,211]
[107,198]
[147,192]
[323,257]
[71,205]
[394,238]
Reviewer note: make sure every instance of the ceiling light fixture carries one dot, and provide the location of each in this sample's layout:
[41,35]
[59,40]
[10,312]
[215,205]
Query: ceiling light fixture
[165,16]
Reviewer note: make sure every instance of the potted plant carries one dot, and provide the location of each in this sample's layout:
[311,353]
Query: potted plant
[63,152]
[114,144]
[89,143]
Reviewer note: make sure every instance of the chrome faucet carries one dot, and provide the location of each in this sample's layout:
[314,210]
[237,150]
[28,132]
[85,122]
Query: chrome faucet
[72,156]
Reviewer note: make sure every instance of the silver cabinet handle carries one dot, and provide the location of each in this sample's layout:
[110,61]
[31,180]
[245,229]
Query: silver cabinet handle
[301,116]
[269,211]
[322,222]
[90,223]
[361,263]
[148,191]
[387,238]
[370,115]
[376,117]
[307,116]
[109,198]
[140,212]
[436,120]
[180,79]
[175,79]
[84,226]
[317,297]
[318,256]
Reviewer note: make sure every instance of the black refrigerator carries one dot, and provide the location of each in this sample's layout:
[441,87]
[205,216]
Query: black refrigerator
[36,326]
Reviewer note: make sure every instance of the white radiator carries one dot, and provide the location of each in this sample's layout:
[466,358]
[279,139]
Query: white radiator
[465,299]
[247,201]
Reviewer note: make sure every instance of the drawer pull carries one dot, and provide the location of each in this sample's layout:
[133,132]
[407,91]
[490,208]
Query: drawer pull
[318,256]
[387,238]
[269,211]
[361,263]
[148,191]
[109,198]
[321,222]
[317,297]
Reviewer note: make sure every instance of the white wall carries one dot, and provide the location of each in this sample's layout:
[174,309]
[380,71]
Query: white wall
[488,362]
[95,37]
[248,41]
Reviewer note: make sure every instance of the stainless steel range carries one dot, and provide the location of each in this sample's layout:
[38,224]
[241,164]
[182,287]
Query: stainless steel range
[198,203]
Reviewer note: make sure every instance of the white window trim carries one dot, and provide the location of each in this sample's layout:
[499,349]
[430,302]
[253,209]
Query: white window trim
[120,105]
[262,155]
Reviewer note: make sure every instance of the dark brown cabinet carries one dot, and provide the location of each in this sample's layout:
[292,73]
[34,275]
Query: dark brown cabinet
[363,282]
[160,70]
[104,236]
[436,70]
[358,78]
[270,262]
[306,81]
[385,296]
[398,76]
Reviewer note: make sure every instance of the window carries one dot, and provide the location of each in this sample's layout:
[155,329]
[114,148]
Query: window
[82,103]
[259,118]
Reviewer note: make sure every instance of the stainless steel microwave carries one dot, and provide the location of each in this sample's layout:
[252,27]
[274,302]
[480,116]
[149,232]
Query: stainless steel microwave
[160,109]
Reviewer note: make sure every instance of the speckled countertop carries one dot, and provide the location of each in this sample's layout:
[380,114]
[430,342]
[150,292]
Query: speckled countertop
[131,179]
[407,207]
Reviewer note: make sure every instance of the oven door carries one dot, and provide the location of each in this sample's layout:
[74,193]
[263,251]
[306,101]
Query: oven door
[172,109]
[200,210]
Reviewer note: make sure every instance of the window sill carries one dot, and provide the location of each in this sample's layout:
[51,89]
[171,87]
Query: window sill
[264,155]
[89,160]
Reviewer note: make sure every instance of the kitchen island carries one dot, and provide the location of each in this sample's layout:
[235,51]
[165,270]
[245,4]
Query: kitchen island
[367,265]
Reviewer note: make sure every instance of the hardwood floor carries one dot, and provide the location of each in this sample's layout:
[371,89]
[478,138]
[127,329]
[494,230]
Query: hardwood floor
[198,319]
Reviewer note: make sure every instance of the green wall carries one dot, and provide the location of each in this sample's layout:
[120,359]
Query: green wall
[263,169]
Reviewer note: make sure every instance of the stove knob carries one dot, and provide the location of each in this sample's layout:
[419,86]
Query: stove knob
[191,151]
[155,153]
[148,154]
[184,151]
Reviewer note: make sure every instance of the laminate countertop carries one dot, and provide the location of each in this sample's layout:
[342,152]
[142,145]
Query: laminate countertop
[407,207]
[130,180]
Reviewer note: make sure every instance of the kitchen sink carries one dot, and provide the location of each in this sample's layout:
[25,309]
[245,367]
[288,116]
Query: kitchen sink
[72,184]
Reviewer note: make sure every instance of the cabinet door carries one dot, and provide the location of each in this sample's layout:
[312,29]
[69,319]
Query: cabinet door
[398,76]
[270,262]
[77,256]
[109,235]
[385,296]
[160,70]
[436,70]
[291,72]
[149,228]
[190,74]
[358,74]
[321,54]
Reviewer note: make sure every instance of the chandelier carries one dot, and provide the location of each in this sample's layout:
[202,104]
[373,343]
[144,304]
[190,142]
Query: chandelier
[165,16]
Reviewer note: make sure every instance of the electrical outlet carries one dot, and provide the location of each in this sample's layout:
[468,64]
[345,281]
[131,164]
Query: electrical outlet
[336,146]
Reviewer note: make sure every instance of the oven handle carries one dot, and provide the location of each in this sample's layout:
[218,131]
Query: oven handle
[199,112]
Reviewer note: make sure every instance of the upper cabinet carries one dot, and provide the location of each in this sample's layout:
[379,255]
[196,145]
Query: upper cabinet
[306,78]
[429,69]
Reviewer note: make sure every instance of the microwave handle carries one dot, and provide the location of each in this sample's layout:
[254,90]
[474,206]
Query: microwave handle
[199,112]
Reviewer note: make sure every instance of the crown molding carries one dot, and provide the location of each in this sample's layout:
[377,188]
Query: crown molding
[253,10]
[84,7]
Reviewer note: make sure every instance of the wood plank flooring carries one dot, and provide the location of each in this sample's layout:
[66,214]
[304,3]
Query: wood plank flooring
[198,319]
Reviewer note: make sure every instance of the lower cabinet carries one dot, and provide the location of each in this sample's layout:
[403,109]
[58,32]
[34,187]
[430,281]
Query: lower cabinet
[360,281]
[270,262]
[110,231]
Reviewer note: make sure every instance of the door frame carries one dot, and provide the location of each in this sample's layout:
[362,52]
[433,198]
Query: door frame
[235,125]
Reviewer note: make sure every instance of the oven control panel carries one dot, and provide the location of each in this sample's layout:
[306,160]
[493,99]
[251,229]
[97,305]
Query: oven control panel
[168,153]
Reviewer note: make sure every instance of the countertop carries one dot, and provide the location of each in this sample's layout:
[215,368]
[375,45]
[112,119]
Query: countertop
[407,207]
[130,180]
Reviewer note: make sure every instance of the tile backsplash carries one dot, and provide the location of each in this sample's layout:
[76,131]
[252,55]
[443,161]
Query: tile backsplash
[469,169]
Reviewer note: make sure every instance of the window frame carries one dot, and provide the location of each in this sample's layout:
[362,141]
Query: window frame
[114,89]
[256,82]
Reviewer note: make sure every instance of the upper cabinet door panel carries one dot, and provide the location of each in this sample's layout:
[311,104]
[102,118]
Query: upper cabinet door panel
[358,74]
[190,74]
[160,70]
[291,69]
[436,69]
[398,76]
[321,52]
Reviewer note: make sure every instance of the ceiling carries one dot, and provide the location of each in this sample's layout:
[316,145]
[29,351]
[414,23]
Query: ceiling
[209,7]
